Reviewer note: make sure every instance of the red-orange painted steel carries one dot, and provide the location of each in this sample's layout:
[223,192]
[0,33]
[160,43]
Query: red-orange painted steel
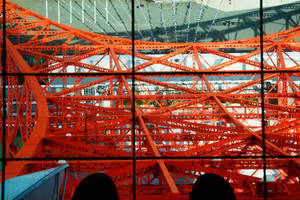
[73,98]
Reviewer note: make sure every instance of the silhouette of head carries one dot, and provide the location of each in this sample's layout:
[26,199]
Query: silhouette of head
[94,187]
[212,187]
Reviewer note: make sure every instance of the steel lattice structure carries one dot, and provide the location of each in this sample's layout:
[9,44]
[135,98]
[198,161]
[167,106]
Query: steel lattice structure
[183,128]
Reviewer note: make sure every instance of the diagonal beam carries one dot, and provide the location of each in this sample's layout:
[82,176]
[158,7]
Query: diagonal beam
[165,173]
[39,131]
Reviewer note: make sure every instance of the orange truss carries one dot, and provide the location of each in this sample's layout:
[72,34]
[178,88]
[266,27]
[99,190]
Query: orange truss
[198,108]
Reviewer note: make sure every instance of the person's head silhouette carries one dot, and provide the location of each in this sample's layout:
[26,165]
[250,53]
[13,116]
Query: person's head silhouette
[212,187]
[96,186]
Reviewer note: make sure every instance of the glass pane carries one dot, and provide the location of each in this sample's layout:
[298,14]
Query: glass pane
[280,15]
[61,116]
[281,101]
[120,171]
[83,111]
[111,17]
[78,170]
[282,113]
[72,41]
[196,21]
[281,89]
[282,179]
[175,177]
[214,112]
[199,115]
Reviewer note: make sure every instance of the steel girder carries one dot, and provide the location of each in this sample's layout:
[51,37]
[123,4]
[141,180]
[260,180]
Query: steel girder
[198,109]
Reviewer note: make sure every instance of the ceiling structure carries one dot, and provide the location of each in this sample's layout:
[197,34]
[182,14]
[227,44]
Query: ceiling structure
[170,20]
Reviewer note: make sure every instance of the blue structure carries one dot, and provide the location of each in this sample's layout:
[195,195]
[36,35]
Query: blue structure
[44,185]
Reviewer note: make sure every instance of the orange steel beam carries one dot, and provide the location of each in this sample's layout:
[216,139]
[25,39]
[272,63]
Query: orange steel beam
[166,175]
[65,107]
[40,128]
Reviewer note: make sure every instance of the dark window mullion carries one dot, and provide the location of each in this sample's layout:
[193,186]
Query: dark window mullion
[262,98]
